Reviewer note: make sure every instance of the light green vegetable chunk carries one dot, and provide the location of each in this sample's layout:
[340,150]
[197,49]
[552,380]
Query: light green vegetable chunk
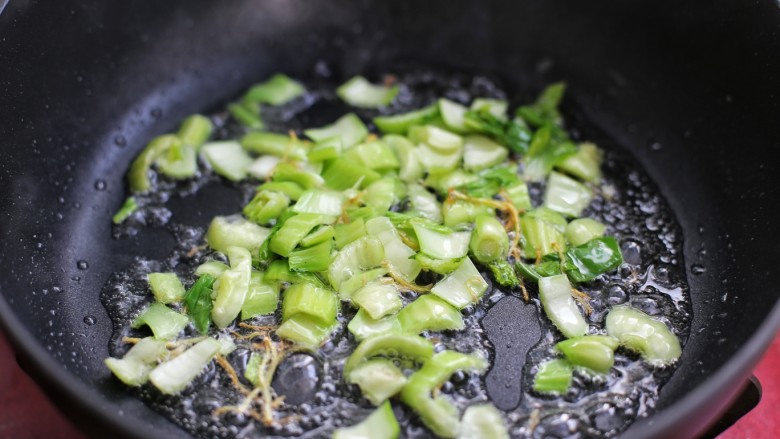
[641,333]
[380,424]
[164,322]
[166,287]
[462,287]
[483,421]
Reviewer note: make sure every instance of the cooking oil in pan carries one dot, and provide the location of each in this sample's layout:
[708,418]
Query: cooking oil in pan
[316,398]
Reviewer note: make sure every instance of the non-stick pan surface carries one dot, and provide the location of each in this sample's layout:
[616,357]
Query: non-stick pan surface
[690,90]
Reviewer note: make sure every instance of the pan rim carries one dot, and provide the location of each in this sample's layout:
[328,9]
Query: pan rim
[47,371]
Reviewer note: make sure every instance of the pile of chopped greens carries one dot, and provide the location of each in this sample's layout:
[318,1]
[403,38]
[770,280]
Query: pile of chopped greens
[346,218]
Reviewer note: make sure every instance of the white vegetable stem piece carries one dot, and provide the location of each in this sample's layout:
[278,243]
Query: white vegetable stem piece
[174,375]
[558,304]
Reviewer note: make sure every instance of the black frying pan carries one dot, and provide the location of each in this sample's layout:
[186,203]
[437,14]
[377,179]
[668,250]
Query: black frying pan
[83,85]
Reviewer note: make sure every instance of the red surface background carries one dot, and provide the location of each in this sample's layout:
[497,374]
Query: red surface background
[25,413]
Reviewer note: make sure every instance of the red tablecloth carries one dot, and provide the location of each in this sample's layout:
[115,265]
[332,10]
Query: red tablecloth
[25,413]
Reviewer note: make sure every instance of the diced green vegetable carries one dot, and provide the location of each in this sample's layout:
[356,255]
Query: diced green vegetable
[397,253]
[228,159]
[439,139]
[378,299]
[362,254]
[266,206]
[166,287]
[429,313]
[304,330]
[343,174]
[174,375]
[376,155]
[378,379]
[279,145]
[214,268]
[489,240]
[542,235]
[179,162]
[319,304]
[327,149]
[346,233]
[582,230]
[554,376]
[262,298]
[596,352]
[566,195]
[392,345]
[441,266]
[195,130]
[231,287]
[519,196]
[436,243]
[289,172]
[461,212]
[127,209]
[453,115]
[314,259]
[443,182]
[585,164]
[318,236]
[547,150]
[363,326]
[479,152]
[411,168]
[437,162]
[233,231]
[382,194]
[462,287]
[483,421]
[291,189]
[400,123]
[294,230]
[358,281]
[164,322]
[359,92]
[320,201]
[496,107]
[263,168]
[641,333]
[138,174]
[133,369]
[425,203]
[558,304]
[380,424]
[349,128]
[247,114]
[277,90]
[436,412]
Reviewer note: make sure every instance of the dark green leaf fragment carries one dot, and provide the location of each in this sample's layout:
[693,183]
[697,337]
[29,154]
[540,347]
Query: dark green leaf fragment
[198,302]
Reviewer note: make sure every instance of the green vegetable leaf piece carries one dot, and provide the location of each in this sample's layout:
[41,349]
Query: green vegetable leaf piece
[381,424]
[597,256]
[545,109]
[509,133]
[277,90]
[504,274]
[198,302]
